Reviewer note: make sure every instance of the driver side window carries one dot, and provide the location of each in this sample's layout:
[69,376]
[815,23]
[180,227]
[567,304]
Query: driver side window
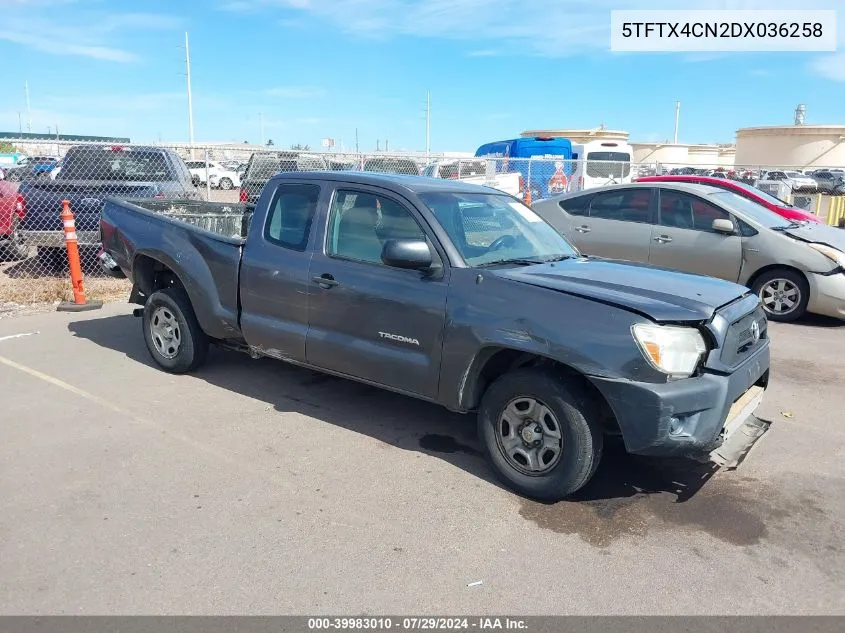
[360,223]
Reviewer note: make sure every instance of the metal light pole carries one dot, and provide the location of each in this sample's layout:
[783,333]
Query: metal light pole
[28,109]
[427,124]
[190,99]
[677,119]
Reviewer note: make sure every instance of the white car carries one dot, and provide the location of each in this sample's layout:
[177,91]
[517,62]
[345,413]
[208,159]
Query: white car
[218,176]
[476,171]
[796,180]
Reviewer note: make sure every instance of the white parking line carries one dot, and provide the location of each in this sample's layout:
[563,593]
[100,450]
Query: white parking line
[11,336]
[170,430]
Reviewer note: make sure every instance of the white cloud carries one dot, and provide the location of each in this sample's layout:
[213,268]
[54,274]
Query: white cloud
[43,26]
[63,46]
[530,27]
[830,66]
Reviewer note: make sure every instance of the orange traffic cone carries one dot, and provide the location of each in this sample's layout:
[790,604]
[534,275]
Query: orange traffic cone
[526,199]
[79,303]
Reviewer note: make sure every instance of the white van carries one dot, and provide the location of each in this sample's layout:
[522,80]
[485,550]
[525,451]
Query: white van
[600,163]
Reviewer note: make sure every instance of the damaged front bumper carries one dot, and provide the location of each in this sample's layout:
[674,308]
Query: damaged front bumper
[710,416]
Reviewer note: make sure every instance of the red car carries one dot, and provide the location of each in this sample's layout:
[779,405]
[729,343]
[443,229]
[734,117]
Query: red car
[777,205]
[11,214]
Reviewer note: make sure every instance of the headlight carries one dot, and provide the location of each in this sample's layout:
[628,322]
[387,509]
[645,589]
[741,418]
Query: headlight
[672,349]
[835,255]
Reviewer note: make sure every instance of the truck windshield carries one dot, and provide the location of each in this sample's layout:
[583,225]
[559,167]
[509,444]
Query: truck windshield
[105,164]
[488,228]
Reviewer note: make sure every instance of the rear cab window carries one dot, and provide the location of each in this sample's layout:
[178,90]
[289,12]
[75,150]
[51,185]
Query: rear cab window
[291,215]
[118,164]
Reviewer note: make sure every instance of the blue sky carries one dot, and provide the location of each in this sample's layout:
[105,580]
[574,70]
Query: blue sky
[322,68]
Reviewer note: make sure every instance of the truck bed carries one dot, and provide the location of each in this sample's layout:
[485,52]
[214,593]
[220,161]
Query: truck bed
[220,218]
[201,240]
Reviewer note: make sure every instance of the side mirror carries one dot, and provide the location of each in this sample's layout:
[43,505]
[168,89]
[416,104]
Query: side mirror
[720,225]
[408,254]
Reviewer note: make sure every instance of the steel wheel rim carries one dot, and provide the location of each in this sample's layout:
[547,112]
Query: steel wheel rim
[165,332]
[780,296]
[529,436]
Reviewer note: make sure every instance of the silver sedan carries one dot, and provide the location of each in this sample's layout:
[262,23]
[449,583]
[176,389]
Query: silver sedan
[794,268]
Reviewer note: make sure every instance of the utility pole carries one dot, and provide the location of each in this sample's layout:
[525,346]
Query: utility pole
[377,145]
[190,98]
[20,124]
[28,109]
[356,140]
[427,124]
[386,145]
[677,119]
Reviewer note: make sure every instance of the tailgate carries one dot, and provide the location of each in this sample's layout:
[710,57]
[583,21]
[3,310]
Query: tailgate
[44,202]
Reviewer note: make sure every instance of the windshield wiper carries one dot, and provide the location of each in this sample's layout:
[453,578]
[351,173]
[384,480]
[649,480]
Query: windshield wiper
[523,261]
[518,261]
[791,225]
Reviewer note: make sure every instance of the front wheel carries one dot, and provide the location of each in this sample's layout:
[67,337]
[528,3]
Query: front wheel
[784,294]
[174,338]
[540,433]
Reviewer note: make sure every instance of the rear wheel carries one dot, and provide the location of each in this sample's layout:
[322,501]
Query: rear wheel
[784,294]
[174,338]
[540,433]
[225,184]
[15,246]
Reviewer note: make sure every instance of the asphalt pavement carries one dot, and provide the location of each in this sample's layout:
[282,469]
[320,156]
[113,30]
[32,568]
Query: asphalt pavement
[254,487]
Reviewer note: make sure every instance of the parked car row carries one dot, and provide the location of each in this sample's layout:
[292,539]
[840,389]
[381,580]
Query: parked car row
[793,265]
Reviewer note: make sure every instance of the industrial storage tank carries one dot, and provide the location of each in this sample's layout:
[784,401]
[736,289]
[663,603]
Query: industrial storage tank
[664,153]
[579,135]
[703,155]
[796,146]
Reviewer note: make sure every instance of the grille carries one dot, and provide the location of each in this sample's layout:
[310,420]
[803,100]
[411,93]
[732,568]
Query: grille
[740,341]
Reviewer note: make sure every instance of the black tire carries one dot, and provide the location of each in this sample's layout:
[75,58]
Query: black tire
[14,248]
[225,184]
[192,348]
[195,181]
[796,279]
[576,420]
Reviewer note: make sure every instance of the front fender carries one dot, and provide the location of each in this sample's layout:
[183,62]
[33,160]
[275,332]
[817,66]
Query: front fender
[591,338]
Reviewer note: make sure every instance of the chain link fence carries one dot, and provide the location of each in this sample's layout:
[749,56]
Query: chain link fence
[33,260]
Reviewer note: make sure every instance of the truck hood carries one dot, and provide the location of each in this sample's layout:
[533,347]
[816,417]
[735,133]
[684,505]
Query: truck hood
[661,295]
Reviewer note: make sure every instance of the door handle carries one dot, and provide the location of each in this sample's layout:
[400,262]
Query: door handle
[663,239]
[325,281]
[583,228]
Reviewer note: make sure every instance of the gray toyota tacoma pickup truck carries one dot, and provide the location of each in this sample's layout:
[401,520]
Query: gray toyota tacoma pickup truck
[460,295]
